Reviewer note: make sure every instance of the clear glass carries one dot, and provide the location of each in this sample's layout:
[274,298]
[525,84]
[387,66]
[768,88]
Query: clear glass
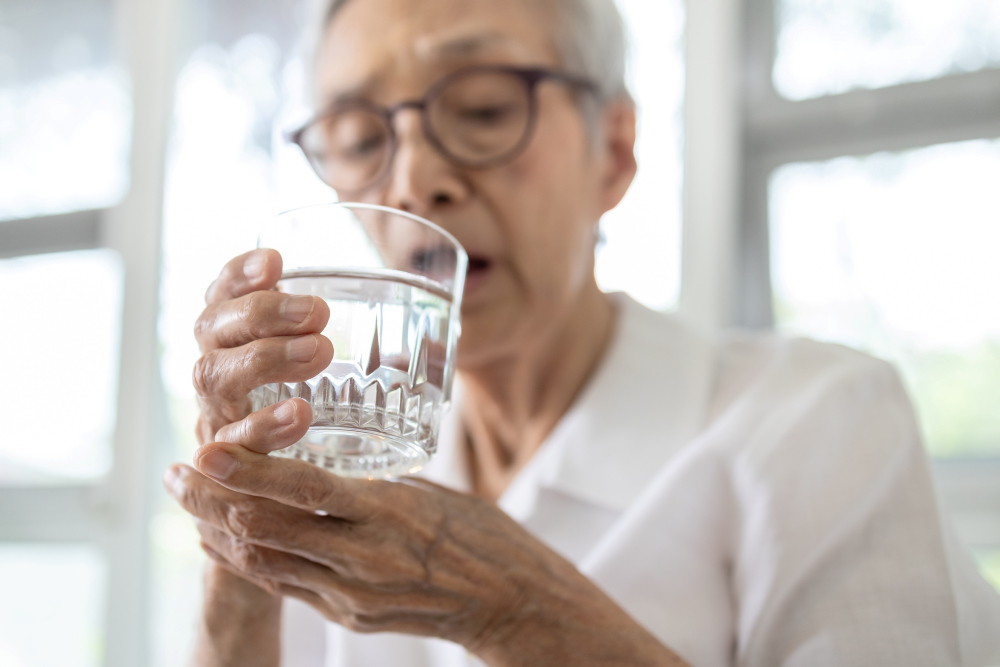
[895,254]
[51,605]
[59,354]
[825,47]
[65,108]
[393,283]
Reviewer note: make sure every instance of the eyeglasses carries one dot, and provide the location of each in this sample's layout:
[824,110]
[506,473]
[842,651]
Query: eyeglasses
[476,117]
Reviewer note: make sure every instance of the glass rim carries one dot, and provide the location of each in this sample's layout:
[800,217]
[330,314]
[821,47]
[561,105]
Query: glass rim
[461,256]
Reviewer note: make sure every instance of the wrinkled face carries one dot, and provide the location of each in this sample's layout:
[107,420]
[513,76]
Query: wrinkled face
[528,225]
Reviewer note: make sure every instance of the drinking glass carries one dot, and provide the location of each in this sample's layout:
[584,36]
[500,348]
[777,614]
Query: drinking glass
[393,282]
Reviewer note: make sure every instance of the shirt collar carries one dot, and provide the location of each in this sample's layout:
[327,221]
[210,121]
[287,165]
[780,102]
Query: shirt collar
[646,400]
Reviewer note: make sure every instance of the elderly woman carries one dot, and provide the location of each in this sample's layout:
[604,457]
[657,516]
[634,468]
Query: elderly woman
[612,485]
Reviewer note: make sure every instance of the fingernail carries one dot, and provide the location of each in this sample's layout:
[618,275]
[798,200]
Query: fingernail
[297,308]
[217,464]
[284,414]
[253,267]
[302,349]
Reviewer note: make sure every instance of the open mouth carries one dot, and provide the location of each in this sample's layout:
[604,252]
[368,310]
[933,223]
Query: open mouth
[476,273]
[477,265]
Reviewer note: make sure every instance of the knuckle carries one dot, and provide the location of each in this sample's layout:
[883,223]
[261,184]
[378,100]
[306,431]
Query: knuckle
[250,305]
[244,521]
[249,558]
[362,606]
[190,498]
[202,325]
[203,375]
[253,358]
[356,622]
[241,431]
[316,492]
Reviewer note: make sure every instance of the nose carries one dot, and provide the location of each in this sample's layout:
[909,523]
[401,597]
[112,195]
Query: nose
[421,180]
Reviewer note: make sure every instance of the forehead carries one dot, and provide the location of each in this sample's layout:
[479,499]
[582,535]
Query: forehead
[374,45]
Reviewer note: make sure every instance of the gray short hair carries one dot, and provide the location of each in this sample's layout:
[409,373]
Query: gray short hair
[590,40]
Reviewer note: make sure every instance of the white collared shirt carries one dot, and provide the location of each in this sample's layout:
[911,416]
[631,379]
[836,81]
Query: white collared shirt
[754,501]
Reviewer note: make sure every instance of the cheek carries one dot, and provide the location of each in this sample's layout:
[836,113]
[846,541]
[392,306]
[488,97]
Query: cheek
[552,195]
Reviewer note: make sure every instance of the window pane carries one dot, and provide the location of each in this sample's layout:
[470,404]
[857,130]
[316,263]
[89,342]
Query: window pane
[896,254]
[641,251]
[831,46]
[65,108]
[53,605]
[59,355]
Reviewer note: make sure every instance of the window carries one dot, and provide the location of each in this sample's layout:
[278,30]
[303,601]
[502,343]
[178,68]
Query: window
[832,46]
[870,157]
[895,254]
[61,344]
[79,217]
[32,577]
[65,108]
[641,251]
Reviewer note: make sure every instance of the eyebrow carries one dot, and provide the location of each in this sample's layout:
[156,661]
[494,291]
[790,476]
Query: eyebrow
[461,46]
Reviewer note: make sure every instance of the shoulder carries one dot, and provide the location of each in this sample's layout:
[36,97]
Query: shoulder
[778,370]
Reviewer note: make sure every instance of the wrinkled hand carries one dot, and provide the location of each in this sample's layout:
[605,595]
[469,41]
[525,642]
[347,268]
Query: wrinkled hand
[251,335]
[405,556]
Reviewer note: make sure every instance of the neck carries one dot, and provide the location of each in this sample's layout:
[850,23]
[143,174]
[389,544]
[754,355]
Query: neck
[514,402]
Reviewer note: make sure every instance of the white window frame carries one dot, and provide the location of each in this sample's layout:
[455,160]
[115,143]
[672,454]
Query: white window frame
[113,514]
[739,130]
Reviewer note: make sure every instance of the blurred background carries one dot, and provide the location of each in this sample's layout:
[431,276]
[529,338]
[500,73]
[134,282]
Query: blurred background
[828,168]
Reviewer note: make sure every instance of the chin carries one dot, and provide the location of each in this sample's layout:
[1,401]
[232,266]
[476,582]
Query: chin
[489,334]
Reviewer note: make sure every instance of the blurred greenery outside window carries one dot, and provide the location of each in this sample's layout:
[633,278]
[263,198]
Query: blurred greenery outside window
[895,254]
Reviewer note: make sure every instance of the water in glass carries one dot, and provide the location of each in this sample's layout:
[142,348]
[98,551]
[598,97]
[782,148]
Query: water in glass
[377,406]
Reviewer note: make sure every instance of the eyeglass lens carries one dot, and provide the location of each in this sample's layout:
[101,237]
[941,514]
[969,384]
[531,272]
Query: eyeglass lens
[474,120]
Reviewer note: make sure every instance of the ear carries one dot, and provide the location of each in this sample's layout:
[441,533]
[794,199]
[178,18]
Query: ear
[617,143]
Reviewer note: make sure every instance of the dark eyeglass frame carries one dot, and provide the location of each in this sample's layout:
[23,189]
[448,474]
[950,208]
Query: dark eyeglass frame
[529,76]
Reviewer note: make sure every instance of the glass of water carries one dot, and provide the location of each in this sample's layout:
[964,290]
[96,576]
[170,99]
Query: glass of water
[393,283]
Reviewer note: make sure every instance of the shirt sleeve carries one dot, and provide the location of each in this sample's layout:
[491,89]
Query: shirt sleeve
[843,556]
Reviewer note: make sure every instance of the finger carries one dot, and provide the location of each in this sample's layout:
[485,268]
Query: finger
[260,562]
[270,429]
[250,272]
[287,481]
[261,314]
[264,522]
[230,374]
[275,587]
[352,601]
[272,587]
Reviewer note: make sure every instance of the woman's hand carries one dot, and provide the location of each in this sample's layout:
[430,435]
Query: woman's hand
[405,556]
[250,335]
